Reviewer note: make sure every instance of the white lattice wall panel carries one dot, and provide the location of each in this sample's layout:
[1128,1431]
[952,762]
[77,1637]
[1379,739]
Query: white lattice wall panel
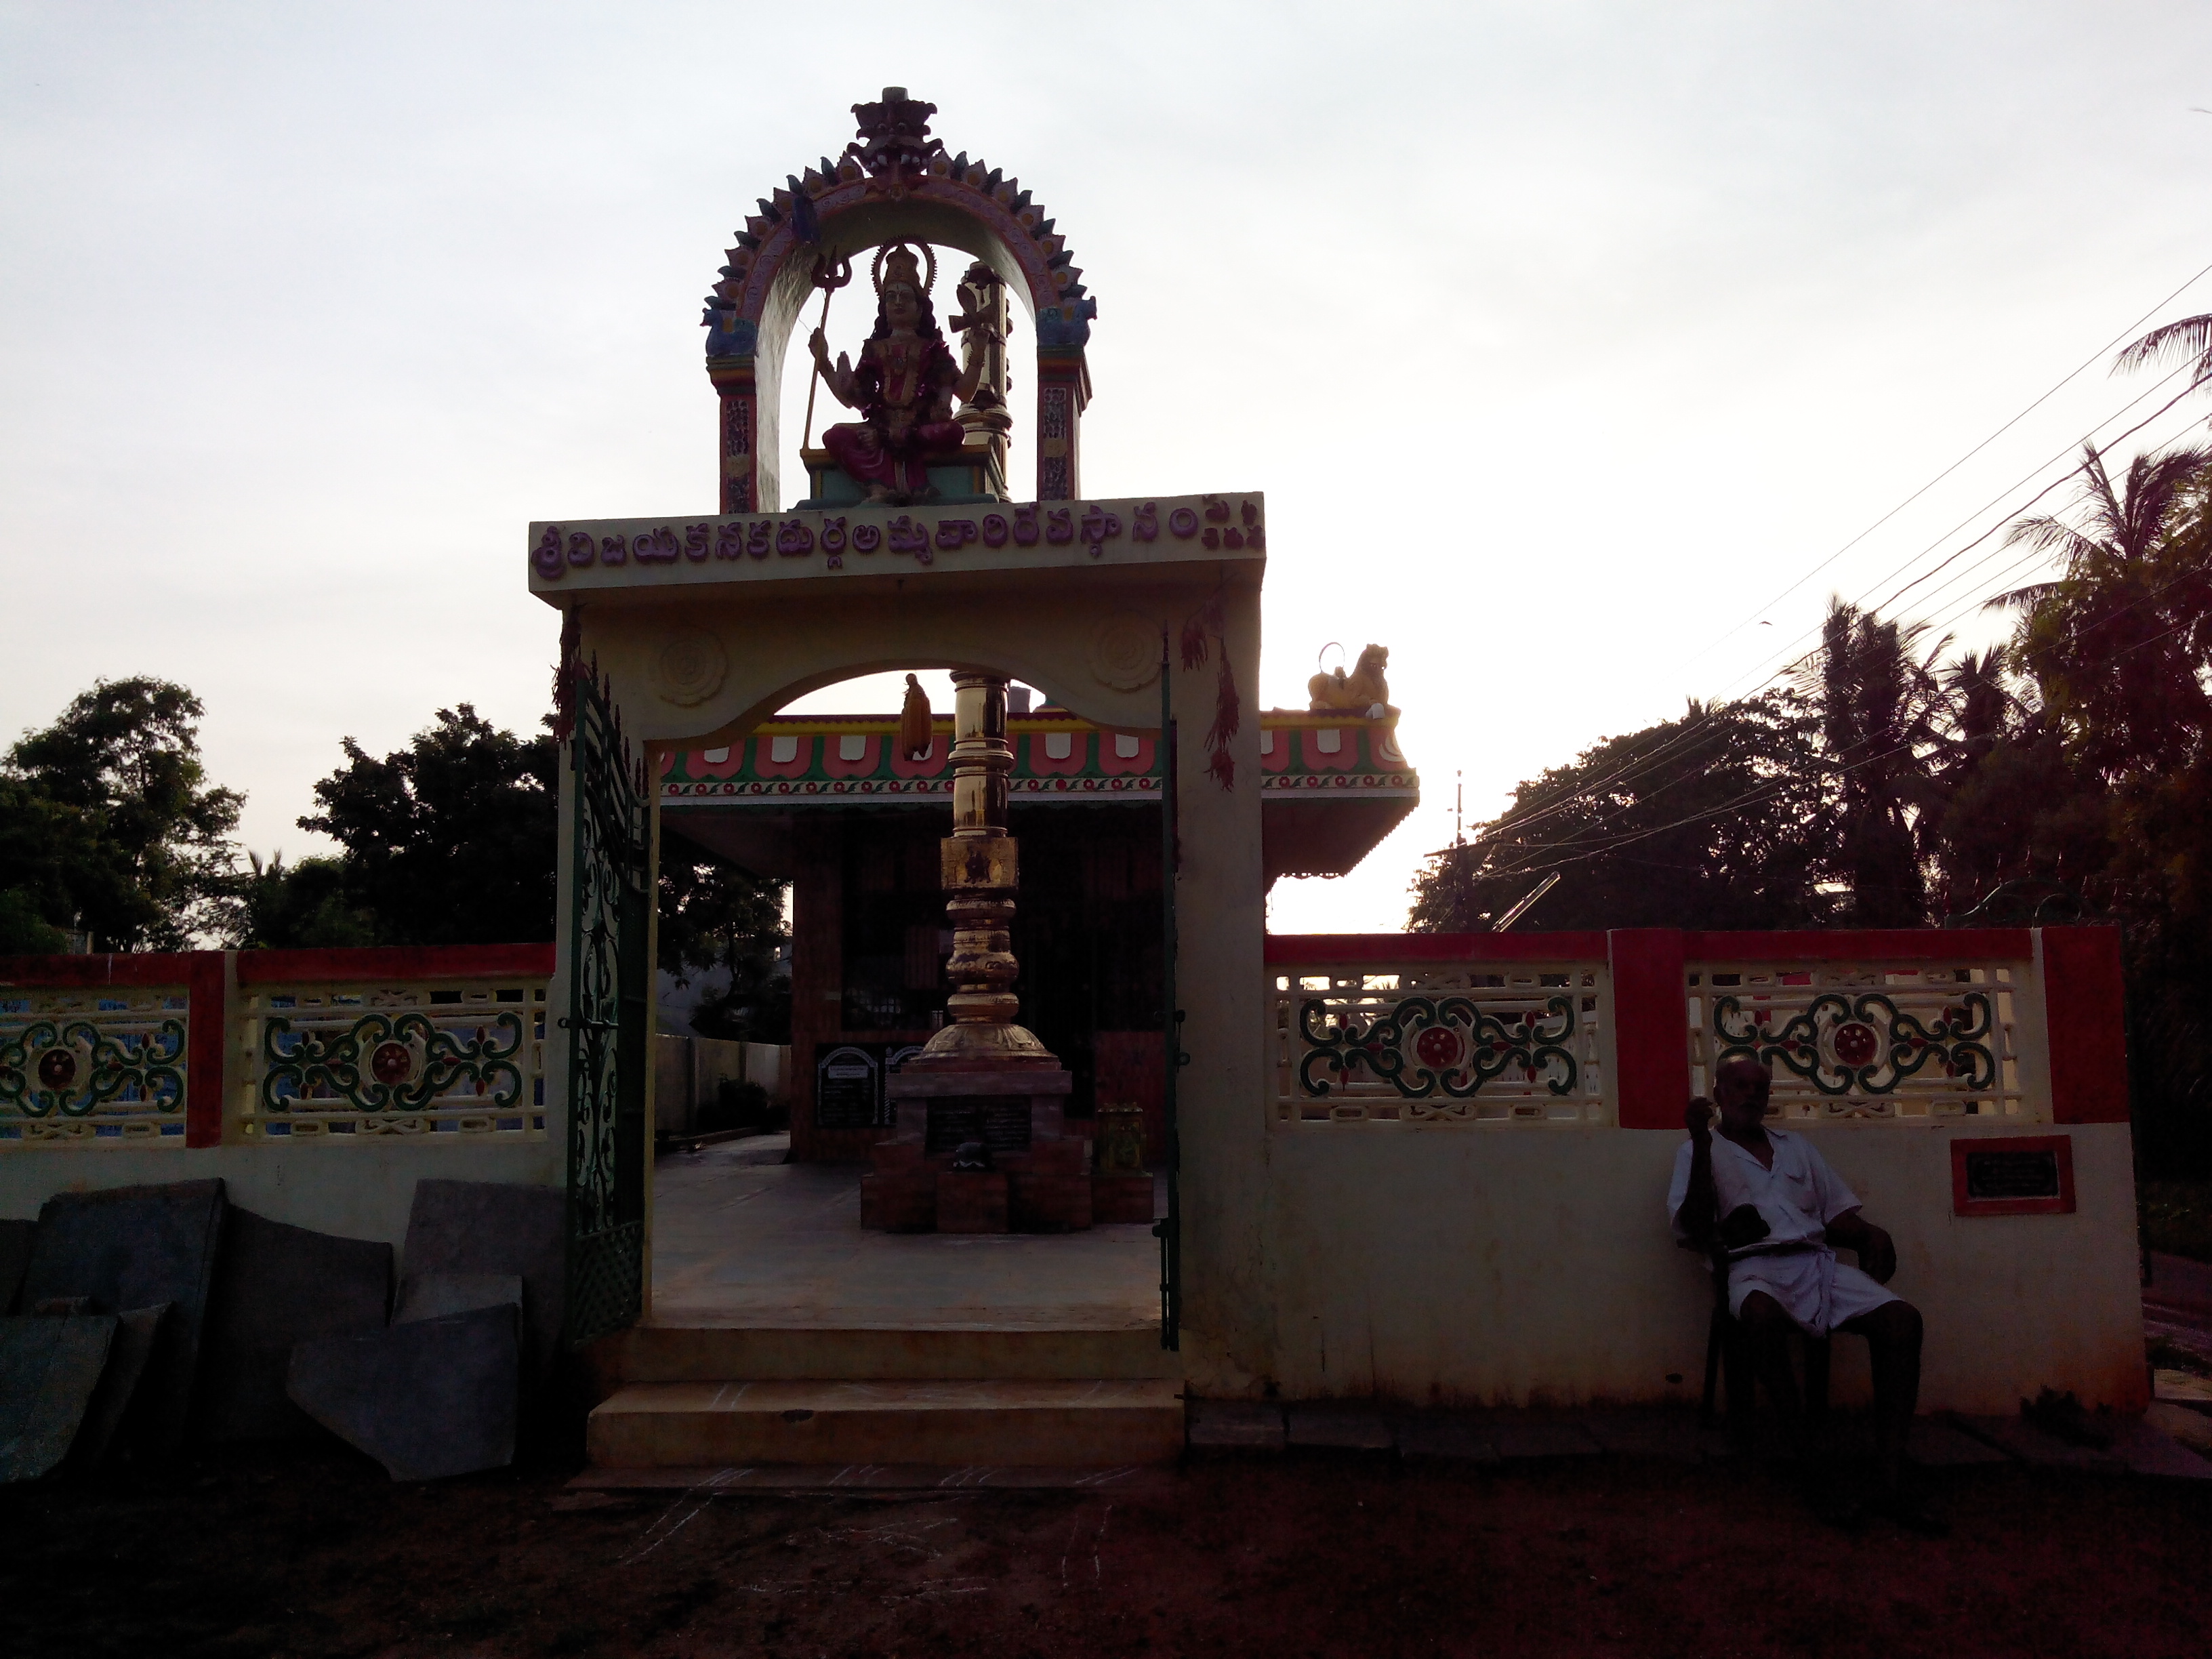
[1470,1044]
[93,1067]
[1857,1040]
[463,1058]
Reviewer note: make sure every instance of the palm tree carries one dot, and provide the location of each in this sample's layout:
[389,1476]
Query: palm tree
[2114,642]
[2188,336]
[1881,715]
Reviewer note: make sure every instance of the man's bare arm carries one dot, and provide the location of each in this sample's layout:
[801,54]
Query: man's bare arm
[1696,1217]
[1877,1253]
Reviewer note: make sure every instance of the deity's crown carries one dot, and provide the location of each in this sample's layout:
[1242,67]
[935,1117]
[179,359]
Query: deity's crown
[897,263]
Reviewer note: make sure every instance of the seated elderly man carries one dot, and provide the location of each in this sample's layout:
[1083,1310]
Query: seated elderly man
[1767,1199]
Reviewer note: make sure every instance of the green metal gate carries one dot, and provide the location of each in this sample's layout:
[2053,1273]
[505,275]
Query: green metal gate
[1168,1228]
[609,1036]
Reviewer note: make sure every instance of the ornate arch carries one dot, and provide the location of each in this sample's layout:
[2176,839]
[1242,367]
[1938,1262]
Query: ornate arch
[894,180]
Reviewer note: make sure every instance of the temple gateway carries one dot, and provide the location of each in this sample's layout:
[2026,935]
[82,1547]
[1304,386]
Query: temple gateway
[1075,1141]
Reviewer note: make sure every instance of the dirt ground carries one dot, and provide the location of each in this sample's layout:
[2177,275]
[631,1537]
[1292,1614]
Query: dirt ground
[316,1553]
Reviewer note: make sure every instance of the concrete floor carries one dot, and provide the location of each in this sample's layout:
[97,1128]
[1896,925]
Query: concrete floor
[741,1241]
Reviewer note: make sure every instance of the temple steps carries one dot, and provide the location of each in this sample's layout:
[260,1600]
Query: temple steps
[708,1353]
[1068,1397]
[994,1421]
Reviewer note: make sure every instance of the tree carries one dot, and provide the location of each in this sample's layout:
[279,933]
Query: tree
[2114,643]
[1712,820]
[1881,717]
[107,822]
[716,917]
[450,840]
[305,906]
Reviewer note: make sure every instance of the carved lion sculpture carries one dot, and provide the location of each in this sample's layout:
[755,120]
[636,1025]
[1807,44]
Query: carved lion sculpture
[1366,690]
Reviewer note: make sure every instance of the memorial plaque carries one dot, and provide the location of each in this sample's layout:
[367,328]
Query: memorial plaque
[848,1084]
[1998,1173]
[1001,1122]
[2013,1175]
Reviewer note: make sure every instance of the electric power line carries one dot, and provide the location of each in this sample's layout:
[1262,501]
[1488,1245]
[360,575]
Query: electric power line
[2064,382]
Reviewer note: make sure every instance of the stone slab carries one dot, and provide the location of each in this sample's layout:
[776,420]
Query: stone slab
[49,1369]
[1935,1444]
[771,1479]
[1349,1428]
[2017,1437]
[138,1247]
[1447,1439]
[496,1227]
[435,1296]
[434,1398]
[15,1238]
[277,1285]
[1056,1423]
[137,1330]
[1518,1440]
[1235,1425]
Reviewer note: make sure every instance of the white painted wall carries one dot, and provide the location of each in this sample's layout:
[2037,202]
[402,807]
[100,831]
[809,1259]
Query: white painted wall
[1535,1267]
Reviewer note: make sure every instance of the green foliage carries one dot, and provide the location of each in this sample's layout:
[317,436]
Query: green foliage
[305,906]
[450,840]
[714,915]
[107,816]
[23,931]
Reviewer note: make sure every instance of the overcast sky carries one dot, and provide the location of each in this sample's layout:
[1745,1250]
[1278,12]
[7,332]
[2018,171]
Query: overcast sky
[1562,338]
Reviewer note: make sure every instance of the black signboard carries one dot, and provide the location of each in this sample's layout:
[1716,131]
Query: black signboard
[1001,1122]
[2013,1175]
[849,1083]
[1997,1172]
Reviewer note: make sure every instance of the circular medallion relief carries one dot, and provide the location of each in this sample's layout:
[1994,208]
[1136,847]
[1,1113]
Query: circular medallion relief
[392,1062]
[1125,651]
[690,667]
[58,1068]
[1856,1043]
[1437,1047]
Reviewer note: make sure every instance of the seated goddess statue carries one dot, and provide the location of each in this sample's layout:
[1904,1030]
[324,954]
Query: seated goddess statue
[904,386]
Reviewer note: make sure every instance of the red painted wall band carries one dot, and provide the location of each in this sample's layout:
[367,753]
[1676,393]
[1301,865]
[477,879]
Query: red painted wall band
[120,968]
[1872,946]
[397,963]
[206,1025]
[2085,1024]
[1651,1026]
[1299,950]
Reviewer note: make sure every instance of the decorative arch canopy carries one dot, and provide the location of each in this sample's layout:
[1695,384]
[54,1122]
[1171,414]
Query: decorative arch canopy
[894,182]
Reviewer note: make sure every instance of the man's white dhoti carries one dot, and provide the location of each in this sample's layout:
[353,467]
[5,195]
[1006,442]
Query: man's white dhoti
[1813,1288]
[1797,1197]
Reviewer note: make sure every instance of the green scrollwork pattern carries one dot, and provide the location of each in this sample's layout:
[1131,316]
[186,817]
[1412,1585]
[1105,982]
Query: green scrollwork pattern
[610,985]
[1425,1047]
[1863,1045]
[71,1069]
[386,1062]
